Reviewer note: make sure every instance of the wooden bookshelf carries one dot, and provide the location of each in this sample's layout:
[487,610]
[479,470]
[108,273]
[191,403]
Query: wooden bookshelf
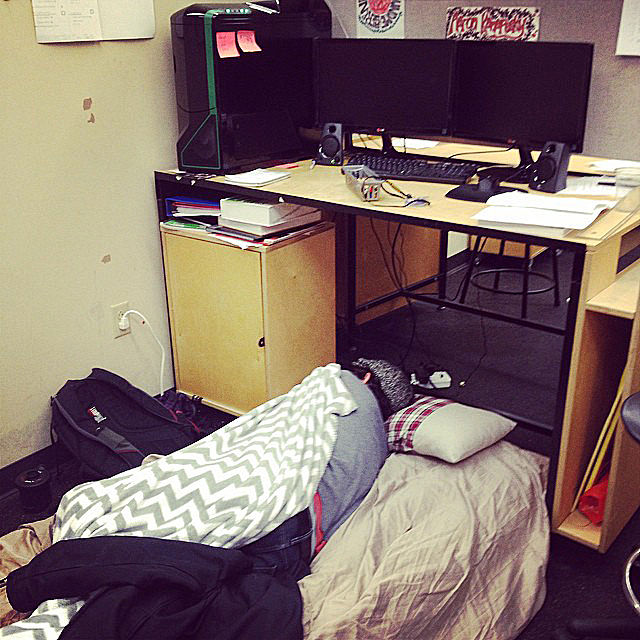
[608,342]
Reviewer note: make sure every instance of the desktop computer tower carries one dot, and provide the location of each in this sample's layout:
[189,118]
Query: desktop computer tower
[244,82]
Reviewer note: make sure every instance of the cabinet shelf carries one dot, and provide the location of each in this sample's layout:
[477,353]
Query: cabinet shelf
[621,297]
[578,528]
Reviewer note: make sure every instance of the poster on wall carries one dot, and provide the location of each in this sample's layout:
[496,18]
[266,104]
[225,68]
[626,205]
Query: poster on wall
[628,43]
[493,23]
[380,18]
[91,20]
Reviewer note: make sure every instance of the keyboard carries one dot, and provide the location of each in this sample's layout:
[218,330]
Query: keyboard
[421,170]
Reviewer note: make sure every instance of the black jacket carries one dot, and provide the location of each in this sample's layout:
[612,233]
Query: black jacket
[147,588]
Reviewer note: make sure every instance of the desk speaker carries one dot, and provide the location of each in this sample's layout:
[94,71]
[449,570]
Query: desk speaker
[549,172]
[331,147]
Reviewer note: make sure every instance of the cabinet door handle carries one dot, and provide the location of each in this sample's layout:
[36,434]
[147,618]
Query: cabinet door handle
[261,342]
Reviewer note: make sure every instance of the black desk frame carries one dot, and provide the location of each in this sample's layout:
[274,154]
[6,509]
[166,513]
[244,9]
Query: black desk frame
[168,184]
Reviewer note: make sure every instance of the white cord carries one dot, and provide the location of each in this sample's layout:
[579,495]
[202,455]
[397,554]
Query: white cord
[153,333]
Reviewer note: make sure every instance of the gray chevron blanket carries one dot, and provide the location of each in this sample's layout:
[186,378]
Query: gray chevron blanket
[226,490]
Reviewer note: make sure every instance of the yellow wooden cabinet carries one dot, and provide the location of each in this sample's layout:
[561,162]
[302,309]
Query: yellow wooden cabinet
[248,324]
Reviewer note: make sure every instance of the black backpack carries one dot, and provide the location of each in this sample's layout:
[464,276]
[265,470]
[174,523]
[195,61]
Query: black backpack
[110,426]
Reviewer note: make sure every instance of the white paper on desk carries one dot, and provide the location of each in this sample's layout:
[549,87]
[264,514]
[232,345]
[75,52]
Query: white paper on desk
[612,165]
[256,178]
[538,217]
[236,242]
[629,31]
[589,186]
[414,143]
[518,199]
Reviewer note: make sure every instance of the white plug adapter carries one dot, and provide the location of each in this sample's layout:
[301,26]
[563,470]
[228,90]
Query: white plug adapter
[123,322]
[440,380]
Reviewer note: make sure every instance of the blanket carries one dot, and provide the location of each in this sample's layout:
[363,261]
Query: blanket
[226,490]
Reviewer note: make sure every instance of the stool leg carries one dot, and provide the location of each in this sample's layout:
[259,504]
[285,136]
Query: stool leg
[467,275]
[556,288]
[496,276]
[525,280]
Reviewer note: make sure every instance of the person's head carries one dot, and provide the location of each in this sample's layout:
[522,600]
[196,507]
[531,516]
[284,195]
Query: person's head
[388,382]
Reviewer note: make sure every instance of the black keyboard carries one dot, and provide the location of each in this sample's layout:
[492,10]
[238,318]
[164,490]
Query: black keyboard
[421,170]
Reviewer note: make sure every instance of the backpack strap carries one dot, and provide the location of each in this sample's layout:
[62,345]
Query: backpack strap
[131,456]
[148,402]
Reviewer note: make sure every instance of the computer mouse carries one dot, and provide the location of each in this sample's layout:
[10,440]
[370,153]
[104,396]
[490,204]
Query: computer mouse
[417,202]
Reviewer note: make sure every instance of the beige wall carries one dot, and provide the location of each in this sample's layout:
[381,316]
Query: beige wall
[79,223]
[614,106]
[78,212]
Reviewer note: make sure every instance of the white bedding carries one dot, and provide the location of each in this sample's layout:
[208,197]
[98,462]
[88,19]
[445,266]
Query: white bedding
[436,551]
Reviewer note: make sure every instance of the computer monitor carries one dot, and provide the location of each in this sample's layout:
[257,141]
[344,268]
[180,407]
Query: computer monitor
[521,94]
[401,87]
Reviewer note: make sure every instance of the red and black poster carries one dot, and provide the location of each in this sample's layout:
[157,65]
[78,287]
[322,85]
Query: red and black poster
[493,23]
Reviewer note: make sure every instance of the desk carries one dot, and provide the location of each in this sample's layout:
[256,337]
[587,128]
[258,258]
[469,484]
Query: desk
[595,253]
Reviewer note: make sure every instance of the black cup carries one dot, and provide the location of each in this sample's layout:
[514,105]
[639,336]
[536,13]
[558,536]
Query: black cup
[34,486]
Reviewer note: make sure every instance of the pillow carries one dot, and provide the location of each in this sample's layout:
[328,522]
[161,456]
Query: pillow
[444,429]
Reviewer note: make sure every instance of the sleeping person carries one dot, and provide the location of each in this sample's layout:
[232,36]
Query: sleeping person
[272,486]
[379,388]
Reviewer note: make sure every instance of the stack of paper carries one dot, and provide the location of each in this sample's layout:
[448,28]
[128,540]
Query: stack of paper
[604,186]
[256,178]
[261,219]
[529,213]
[611,165]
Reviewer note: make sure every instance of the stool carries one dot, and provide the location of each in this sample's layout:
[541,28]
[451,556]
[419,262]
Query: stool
[526,272]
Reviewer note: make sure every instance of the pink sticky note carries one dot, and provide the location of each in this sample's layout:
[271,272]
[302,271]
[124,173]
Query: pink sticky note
[247,41]
[226,42]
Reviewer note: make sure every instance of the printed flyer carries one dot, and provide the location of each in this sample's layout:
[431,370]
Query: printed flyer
[380,18]
[493,23]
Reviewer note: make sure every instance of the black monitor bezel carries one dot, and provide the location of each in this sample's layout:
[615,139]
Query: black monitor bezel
[382,127]
[452,130]
[528,144]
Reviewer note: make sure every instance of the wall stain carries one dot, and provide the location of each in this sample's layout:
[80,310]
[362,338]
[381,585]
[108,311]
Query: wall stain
[106,258]
[87,103]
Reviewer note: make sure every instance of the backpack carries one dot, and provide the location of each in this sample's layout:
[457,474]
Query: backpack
[110,426]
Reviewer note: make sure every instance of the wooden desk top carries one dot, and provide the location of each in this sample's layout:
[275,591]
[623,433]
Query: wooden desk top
[321,186]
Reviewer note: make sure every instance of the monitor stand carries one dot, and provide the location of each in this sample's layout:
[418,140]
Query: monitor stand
[481,191]
[387,148]
[519,174]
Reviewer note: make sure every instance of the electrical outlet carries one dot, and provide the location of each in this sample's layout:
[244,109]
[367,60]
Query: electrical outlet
[116,313]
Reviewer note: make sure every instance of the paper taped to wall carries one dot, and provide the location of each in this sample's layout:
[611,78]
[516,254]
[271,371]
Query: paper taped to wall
[629,33]
[90,20]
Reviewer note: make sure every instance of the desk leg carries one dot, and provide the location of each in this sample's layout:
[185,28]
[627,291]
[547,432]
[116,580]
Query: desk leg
[442,268]
[346,280]
[577,273]
[525,280]
[467,276]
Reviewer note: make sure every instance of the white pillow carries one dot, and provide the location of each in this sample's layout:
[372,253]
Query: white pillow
[444,429]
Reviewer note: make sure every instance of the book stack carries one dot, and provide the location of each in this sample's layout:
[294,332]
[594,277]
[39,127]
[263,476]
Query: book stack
[257,220]
[190,207]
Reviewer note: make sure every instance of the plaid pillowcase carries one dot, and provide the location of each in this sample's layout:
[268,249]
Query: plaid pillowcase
[402,425]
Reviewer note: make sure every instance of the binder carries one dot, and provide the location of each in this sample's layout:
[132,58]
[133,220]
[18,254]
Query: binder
[176,206]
